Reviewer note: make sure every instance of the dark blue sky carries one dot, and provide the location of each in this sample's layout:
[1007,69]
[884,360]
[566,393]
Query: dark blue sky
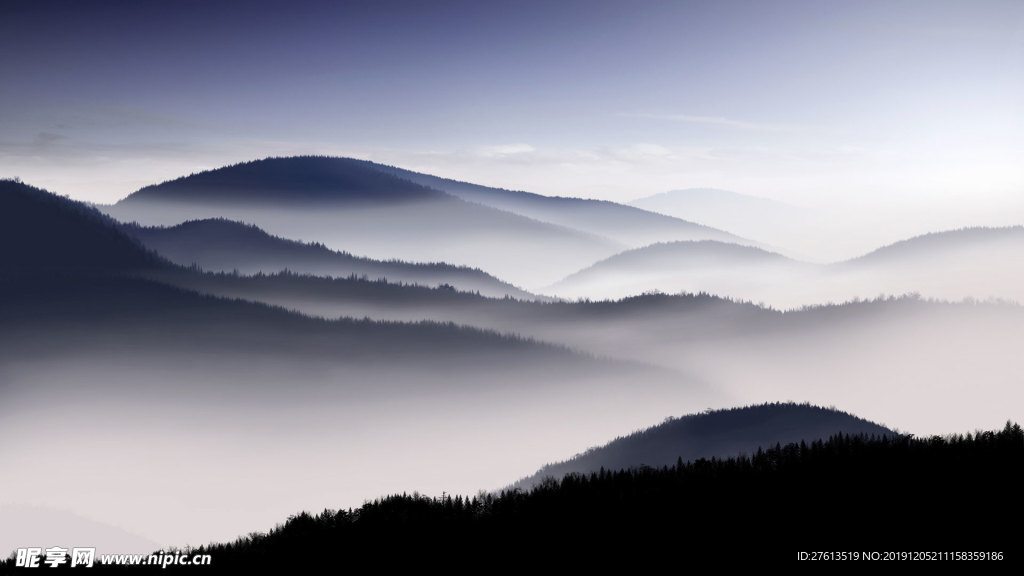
[616,100]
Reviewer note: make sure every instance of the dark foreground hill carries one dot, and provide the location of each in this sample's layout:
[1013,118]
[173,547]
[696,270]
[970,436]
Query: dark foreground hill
[873,500]
[43,232]
[716,434]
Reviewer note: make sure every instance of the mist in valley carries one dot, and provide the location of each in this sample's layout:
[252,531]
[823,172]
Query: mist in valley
[192,383]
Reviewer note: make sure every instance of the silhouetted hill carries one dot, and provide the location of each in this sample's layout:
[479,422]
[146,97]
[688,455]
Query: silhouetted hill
[682,255]
[714,434]
[129,364]
[783,506]
[732,270]
[572,322]
[286,181]
[224,246]
[350,205]
[918,351]
[156,317]
[40,231]
[626,224]
[973,263]
[970,263]
[977,243]
[254,397]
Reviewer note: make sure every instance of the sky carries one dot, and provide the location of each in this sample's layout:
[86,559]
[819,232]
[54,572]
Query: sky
[890,103]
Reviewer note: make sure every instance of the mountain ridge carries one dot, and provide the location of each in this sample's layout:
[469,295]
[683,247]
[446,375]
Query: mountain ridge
[277,180]
[712,434]
[45,232]
[222,245]
[624,223]
[414,223]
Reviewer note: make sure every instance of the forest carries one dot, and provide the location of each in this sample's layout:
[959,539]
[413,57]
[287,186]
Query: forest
[846,493]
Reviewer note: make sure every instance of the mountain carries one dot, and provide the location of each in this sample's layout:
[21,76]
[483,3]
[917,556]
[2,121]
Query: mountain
[730,270]
[224,246]
[354,207]
[947,246]
[275,411]
[238,412]
[969,263]
[624,224]
[282,182]
[591,521]
[713,434]
[915,353]
[42,232]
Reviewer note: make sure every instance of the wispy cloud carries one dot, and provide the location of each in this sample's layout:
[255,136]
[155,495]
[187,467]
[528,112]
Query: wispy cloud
[712,120]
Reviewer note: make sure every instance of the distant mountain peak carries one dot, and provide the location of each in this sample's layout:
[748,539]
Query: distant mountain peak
[704,195]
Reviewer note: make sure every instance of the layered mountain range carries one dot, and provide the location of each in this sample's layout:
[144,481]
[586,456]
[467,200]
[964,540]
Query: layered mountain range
[291,333]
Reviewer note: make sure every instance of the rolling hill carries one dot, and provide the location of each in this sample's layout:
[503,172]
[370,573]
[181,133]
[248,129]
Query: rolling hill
[283,182]
[353,207]
[117,349]
[42,232]
[725,269]
[238,411]
[224,246]
[627,225]
[727,505]
[714,434]
[981,244]
[971,263]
